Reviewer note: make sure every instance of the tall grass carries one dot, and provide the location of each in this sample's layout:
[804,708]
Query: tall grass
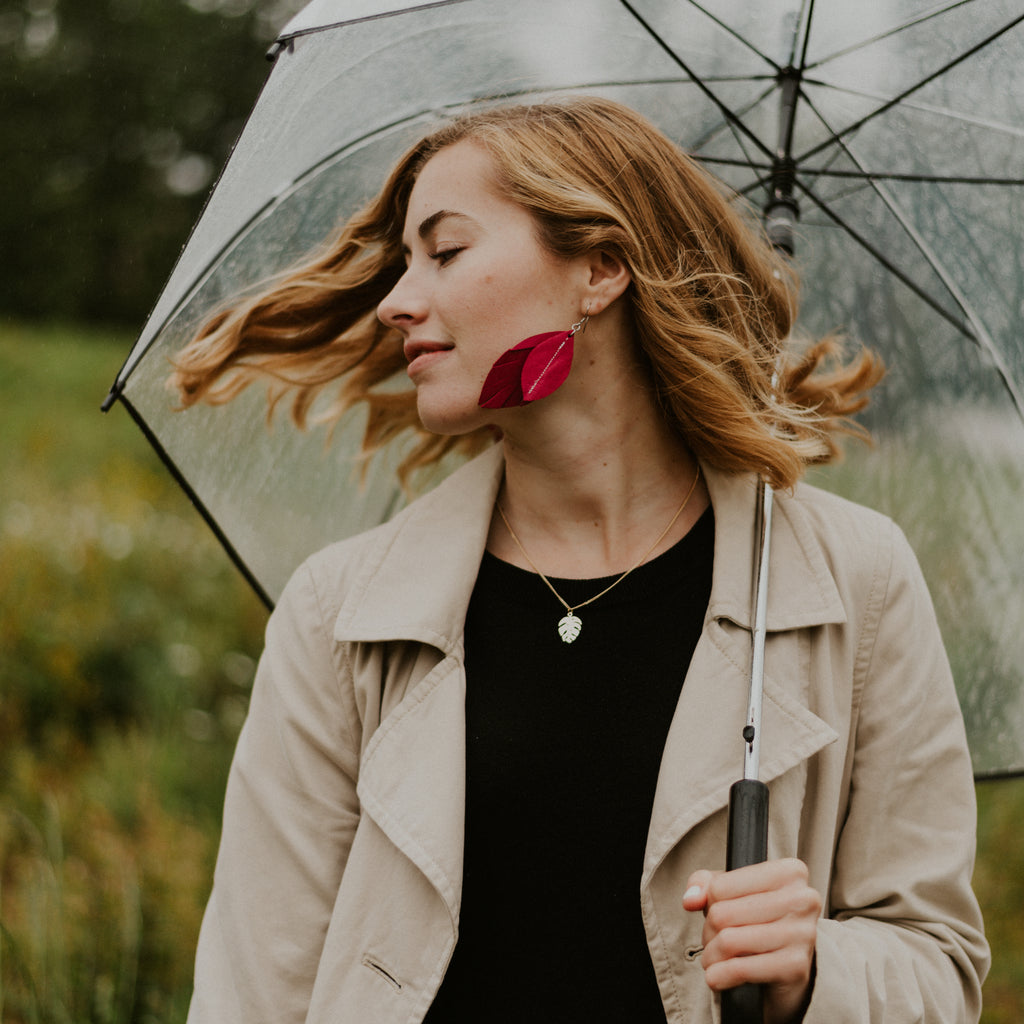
[127,644]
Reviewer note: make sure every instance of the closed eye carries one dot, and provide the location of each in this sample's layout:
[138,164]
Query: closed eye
[445,256]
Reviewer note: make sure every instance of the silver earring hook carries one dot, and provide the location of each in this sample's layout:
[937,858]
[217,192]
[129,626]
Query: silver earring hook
[581,325]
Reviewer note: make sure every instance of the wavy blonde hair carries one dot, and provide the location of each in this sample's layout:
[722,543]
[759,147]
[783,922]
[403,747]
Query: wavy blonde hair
[713,305]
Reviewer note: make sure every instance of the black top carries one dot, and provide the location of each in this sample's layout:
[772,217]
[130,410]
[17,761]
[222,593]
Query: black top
[564,742]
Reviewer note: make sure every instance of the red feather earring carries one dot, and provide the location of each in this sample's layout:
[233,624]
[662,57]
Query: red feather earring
[533,369]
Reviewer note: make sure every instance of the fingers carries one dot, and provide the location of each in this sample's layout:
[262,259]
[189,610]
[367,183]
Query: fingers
[760,926]
[786,976]
[758,909]
[704,888]
[771,874]
[775,952]
[793,898]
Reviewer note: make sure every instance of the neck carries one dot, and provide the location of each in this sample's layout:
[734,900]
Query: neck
[589,487]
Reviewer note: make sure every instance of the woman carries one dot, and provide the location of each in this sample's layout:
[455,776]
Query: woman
[474,784]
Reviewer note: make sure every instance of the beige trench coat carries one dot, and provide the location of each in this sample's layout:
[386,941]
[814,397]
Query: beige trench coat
[337,887]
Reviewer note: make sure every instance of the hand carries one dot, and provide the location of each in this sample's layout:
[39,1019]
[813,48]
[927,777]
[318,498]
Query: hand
[760,926]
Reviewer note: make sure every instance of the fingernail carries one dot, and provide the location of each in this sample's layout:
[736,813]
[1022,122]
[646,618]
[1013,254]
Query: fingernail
[694,890]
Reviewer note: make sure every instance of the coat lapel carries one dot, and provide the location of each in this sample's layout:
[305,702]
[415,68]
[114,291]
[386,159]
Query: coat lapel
[412,780]
[414,584]
[703,753]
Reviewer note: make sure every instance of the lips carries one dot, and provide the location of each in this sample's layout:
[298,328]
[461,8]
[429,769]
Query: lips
[418,353]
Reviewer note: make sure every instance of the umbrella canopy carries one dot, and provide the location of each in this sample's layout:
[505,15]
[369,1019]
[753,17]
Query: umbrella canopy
[885,139]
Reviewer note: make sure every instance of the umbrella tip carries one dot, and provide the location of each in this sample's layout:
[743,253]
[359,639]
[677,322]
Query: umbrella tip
[112,396]
[275,50]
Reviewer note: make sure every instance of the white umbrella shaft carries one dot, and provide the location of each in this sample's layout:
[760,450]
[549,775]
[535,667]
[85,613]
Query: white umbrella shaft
[747,841]
[752,731]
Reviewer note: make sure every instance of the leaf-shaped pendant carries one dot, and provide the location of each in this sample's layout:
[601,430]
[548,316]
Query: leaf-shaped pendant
[569,627]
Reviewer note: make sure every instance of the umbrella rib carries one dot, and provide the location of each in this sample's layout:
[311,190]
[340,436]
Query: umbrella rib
[725,111]
[889,33]
[732,32]
[864,175]
[971,242]
[924,108]
[974,329]
[708,136]
[978,332]
[197,502]
[885,261]
[899,97]
[807,37]
[282,40]
[926,179]
[740,78]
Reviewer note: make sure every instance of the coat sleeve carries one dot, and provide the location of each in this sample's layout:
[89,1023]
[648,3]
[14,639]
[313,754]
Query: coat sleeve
[289,817]
[903,937]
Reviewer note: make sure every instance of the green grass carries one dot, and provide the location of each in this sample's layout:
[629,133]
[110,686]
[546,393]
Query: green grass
[999,884]
[127,643]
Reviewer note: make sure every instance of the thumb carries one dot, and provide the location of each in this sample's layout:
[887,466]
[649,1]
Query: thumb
[696,895]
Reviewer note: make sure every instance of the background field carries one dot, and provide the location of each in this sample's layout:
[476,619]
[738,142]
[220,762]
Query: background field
[127,646]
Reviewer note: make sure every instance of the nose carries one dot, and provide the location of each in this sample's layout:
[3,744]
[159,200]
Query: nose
[403,306]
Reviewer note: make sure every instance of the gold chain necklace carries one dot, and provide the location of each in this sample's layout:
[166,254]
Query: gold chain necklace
[570,625]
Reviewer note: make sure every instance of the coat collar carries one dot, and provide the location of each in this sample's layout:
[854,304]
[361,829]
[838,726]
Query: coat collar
[417,572]
[801,588]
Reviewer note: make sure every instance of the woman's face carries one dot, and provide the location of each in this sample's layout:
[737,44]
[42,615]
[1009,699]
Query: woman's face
[477,282]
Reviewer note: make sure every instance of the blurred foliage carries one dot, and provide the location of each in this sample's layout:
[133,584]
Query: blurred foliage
[972,584]
[127,645]
[999,883]
[116,116]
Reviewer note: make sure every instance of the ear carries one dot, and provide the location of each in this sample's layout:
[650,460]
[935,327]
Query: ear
[608,278]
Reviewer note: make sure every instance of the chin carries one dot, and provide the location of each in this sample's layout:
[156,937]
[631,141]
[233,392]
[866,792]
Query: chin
[451,418]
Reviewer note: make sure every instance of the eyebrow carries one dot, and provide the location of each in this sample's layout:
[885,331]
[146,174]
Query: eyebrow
[431,222]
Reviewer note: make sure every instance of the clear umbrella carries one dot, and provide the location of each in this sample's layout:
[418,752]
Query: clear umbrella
[884,138]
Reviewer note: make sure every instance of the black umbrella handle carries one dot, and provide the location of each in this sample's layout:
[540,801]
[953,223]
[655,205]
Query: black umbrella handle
[747,844]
